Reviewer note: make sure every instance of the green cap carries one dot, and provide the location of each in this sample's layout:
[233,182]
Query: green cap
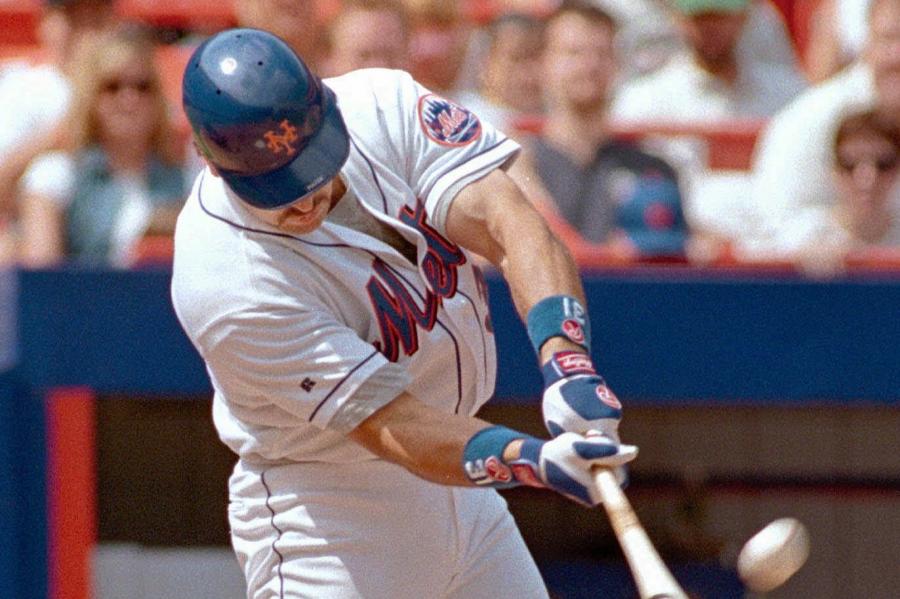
[693,7]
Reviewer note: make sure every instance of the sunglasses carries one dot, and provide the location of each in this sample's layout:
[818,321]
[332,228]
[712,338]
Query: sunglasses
[114,86]
[883,164]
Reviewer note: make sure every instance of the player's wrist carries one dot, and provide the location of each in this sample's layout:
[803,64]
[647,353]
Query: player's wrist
[558,319]
[493,458]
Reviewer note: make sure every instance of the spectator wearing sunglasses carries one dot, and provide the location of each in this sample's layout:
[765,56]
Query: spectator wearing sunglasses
[35,95]
[865,158]
[121,177]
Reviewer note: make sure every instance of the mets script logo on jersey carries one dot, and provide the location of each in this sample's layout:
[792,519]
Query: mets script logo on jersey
[281,142]
[446,122]
[399,308]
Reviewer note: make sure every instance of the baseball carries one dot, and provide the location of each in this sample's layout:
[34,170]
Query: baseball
[773,555]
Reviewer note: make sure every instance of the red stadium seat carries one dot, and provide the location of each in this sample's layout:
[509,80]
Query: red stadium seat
[196,15]
[730,145]
[18,21]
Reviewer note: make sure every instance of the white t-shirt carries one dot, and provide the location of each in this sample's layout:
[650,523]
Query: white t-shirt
[32,100]
[683,92]
[793,160]
[306,336]
[53,177]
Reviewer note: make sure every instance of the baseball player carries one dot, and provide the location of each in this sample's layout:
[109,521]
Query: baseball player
[322,270]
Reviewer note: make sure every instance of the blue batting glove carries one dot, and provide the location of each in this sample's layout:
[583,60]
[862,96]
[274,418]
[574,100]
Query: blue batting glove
[576,398]
[565,464]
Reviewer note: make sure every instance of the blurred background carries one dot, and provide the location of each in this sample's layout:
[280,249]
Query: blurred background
[725,172]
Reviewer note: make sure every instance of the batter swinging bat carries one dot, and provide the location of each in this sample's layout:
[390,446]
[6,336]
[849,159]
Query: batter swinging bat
[653,579]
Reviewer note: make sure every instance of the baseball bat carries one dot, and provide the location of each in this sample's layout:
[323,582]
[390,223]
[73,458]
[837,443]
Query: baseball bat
[653,579]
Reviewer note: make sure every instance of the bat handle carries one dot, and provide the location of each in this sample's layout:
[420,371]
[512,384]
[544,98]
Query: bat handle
[653,579]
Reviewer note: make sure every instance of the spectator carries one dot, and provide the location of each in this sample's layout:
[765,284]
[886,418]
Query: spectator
[121,178]
[510,81]
[793,157]
[369,33]
[439,45]
[865,155]
[838,32]
[709,82]
[608,190]
[649,36]
[297,22]
[34,95]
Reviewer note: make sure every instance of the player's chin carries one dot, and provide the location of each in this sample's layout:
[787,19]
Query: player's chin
[299,223]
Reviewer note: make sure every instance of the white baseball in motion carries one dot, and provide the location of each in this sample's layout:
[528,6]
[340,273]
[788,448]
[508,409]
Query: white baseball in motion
[773,555]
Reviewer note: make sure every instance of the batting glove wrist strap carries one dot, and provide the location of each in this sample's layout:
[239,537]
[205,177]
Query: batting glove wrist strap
[558,316]
[565,364]
[483,457]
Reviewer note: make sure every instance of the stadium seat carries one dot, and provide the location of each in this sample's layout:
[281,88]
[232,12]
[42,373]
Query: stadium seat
[196,15]
[18,21]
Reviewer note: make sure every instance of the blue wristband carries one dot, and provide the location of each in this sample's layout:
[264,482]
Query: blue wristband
[483,457]
[559,316]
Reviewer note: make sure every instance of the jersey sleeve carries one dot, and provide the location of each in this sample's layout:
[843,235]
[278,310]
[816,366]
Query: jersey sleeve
[305,363]
[447,146]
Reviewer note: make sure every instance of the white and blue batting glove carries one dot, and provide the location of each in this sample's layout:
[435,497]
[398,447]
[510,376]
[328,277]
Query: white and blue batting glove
[565,463]
[577,399]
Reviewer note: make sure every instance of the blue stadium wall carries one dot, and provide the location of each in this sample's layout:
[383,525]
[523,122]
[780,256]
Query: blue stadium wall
[662,337]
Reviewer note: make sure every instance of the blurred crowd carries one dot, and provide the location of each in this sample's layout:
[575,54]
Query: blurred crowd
[621,108]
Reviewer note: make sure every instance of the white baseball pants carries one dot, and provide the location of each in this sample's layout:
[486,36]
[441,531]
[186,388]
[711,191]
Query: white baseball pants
[372,530]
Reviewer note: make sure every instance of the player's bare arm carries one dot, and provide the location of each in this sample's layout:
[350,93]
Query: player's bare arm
[466,451]
[493,218]
[422,439]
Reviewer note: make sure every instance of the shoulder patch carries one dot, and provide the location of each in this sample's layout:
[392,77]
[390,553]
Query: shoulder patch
[446,122]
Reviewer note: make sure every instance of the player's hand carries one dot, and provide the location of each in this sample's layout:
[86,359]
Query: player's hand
[576,398]
[564,464]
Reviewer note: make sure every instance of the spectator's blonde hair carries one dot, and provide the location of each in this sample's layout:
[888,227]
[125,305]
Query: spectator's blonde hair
[97,59]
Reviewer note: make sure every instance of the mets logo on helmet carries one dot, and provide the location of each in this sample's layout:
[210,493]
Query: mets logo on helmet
[446,122]
[278,142]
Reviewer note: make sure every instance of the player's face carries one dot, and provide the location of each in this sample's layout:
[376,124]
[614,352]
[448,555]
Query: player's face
[306,214]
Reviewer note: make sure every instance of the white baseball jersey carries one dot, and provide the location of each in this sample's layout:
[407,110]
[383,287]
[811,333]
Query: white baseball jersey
[306,336]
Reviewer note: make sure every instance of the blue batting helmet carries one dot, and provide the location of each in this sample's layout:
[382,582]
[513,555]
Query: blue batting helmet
[269,126]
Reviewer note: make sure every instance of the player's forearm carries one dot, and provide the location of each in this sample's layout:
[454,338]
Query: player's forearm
[533,261]
[427,442]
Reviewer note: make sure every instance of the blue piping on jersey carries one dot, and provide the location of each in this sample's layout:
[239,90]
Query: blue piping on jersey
[338,386]
[262,478]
